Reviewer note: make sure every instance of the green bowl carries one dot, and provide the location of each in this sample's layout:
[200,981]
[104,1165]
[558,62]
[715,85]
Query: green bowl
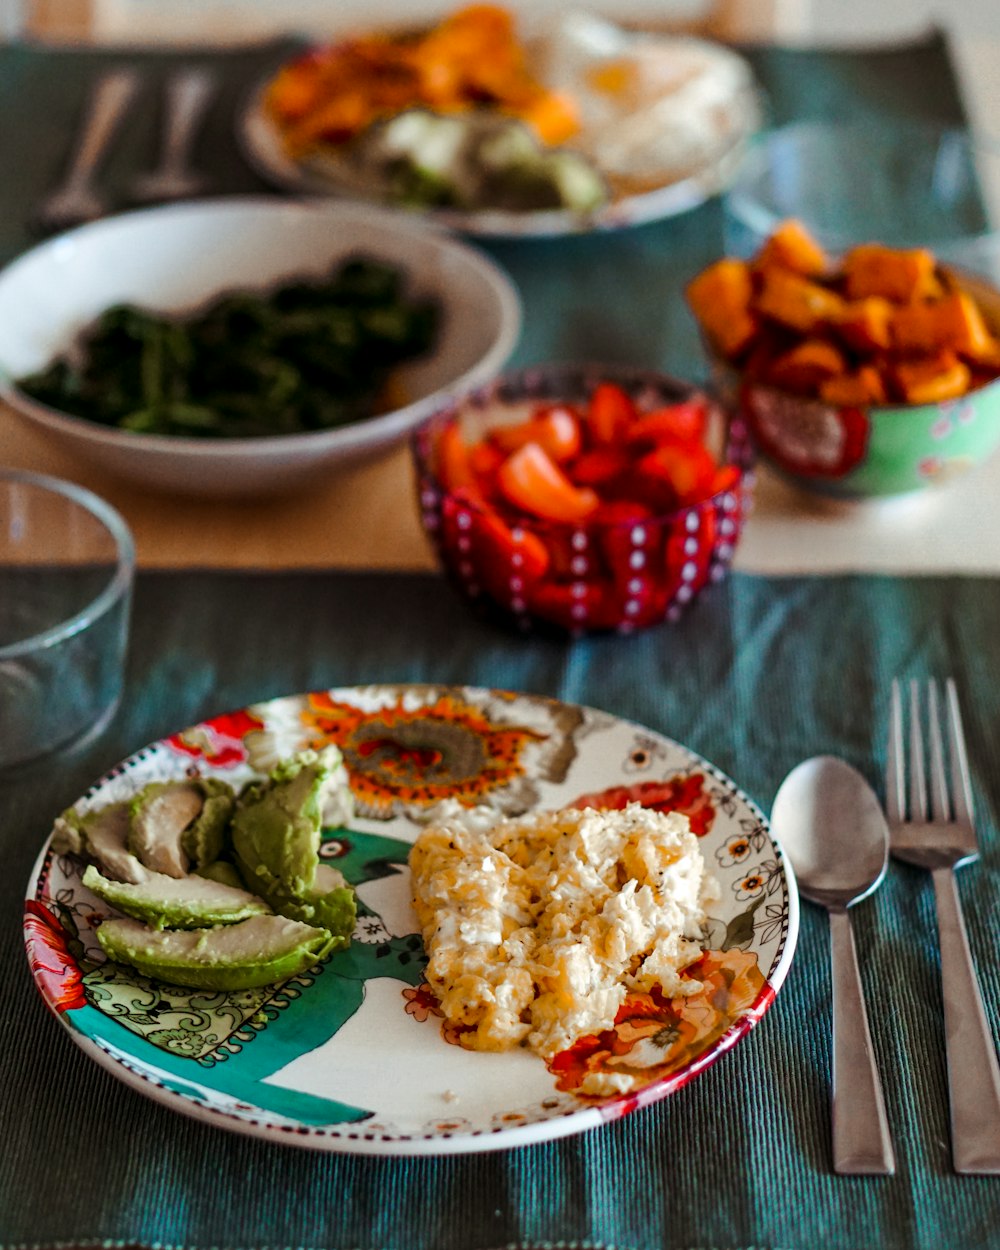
[861,453]
[865,452]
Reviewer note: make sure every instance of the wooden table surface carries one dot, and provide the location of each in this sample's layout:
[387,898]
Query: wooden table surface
[366,517]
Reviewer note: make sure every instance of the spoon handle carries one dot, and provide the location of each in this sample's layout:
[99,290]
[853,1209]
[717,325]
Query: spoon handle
[861,1141]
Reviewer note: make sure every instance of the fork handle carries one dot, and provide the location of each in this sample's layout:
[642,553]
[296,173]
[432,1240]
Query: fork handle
[188,94]
[973,1075]
[861,1142]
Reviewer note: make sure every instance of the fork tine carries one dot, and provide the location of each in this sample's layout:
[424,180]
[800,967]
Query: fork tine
[895,773]
[940,809]
[918,785]
[961,782]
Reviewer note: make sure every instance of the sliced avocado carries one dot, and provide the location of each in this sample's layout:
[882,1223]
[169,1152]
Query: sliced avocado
[258,951]
[328,878]
[67,834]
[168,903]
[277,824]
[204,840]
[580,187]
[334,907]
[223,871]
[160,813]
[102,835]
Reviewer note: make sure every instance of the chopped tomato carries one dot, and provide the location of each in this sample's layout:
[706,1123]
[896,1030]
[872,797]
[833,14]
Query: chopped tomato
[630,546]
[556,429]
[485,459]
[559,432]
[508,552]
[689,467]
[610,413]
[576,605]
[532,481]
[453,465]
[599,465]
[727,477]
[686,420]
[653,491]
[621,512]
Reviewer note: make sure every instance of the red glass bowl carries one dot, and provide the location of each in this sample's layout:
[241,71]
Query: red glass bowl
[595,575]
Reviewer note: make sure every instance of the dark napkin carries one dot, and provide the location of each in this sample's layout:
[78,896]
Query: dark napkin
[762,672]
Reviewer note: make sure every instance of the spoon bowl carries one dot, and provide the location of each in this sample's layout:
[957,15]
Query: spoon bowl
[833,831]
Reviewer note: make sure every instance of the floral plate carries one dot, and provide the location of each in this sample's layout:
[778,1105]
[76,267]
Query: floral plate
[264,149]
[351,1056]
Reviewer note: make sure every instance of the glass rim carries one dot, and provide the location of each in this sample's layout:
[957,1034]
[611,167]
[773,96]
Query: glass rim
[116,588]
[744,202]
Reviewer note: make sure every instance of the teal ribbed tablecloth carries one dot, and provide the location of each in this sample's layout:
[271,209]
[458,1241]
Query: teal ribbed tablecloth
[761,673]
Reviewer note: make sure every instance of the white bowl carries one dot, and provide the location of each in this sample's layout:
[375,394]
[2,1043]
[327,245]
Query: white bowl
[176,258]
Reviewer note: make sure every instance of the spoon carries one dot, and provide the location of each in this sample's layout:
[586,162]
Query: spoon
[830,824]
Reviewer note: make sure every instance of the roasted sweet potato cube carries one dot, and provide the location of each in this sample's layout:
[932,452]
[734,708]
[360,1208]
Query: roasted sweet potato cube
[897,274]
[932,378]
[863,324]
[720,299]
[962,325]
[916,328]
[854,390]
[986,357]
[953,322]
[795,301]
[792,247]
[806,366]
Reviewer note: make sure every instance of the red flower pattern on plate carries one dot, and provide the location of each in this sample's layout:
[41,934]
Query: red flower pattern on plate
[52,966]
[219,742]
[686,794]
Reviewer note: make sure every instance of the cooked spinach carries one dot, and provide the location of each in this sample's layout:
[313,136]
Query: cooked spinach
[311,355]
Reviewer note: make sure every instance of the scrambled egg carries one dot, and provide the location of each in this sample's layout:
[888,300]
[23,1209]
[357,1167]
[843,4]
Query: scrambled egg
[537,926]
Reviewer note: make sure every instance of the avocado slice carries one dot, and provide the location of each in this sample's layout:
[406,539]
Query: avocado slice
[204,840]
[258,951]
[168,903]
[160,813]
[101,835]
[277,825]
[223,871]
[330,904]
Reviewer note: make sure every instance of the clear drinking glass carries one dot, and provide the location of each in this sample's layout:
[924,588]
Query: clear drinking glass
[67,562]
[904,184]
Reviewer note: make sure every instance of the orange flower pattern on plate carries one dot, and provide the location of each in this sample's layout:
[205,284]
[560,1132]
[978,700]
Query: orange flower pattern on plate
[399,757]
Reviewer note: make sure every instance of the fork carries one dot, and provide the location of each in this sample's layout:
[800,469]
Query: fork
[188,94]
[941,841]
[76,200]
